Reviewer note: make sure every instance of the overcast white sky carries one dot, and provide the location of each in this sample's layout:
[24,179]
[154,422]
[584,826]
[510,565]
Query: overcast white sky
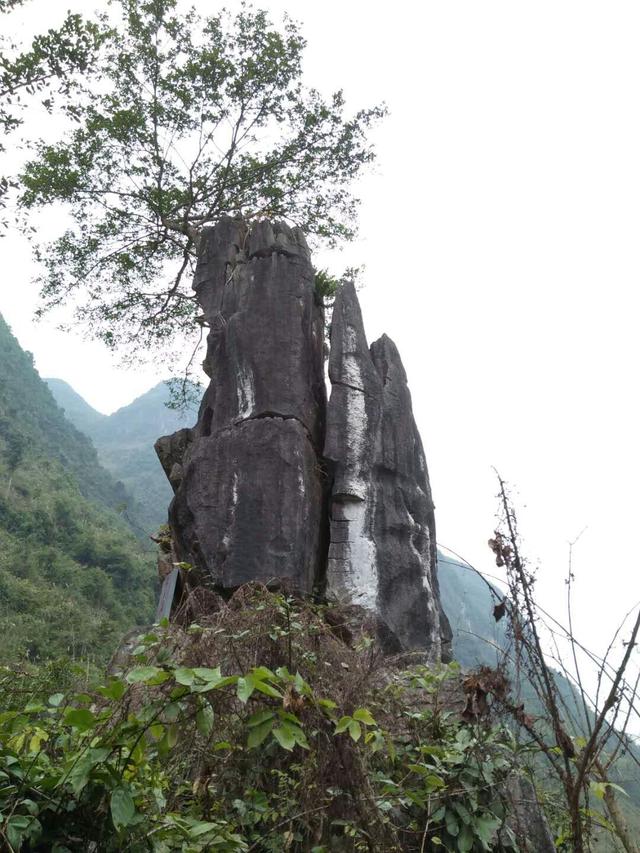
[500,236]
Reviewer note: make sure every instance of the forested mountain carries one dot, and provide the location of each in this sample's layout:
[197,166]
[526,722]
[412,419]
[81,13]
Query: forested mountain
[124,441]
[73,577]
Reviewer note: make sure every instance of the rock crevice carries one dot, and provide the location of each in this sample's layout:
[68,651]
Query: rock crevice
[274,483]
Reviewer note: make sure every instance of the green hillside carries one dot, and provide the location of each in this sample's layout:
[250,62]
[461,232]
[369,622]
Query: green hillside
[73,577]
[124,441]
[76,409]
[468,601]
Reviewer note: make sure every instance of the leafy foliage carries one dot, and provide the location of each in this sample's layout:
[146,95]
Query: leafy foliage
[72,576]
[326,285]
[47,68]
[172,754]
[478,640]
[191,118]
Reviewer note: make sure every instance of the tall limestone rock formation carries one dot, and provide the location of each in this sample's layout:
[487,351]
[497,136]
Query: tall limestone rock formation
[249,496]
[276,484]
[383,539]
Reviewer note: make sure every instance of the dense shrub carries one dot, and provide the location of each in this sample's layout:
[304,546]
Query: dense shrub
[272,725]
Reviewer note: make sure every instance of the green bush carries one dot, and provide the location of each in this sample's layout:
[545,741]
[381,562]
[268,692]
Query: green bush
[259,730]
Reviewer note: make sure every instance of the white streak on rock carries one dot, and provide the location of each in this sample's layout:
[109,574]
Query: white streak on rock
[246,394]
[357,431]
[226,539]
[352,562]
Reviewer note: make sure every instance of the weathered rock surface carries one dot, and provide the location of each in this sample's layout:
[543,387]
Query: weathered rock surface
[172,451]
[248,501]
[249,505]
[253,479]
[526,818]
[264,348]
[353,421]
[382,552]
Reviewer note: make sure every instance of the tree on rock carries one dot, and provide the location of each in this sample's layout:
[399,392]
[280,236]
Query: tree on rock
[190,119]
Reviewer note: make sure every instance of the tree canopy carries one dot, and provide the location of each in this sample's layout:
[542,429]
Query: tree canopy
[46,68]
[190,118]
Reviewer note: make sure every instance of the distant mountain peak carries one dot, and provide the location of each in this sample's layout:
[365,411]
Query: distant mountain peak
[124,441]
[82,415]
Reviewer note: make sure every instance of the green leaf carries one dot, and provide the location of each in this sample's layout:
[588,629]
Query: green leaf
[172,711]
[267,689]
[123,808]
[157,731]
[30,806]
[363,716]
[81,770]
[224,682]
[462,810]
[300,737]
[465,839]
[484,828]
[260,717]
[617,788]
[146,675]
[285,738]
[79,718]
[288,716]
[245,688]
[114,690]
[452,824]
[199,828]
[18,828]
[259,733]
[355,730]
[207,674]
[435,782]
[184,676]
[37,739]
[342,725]
[204,720]
[262,673]
[301,685]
